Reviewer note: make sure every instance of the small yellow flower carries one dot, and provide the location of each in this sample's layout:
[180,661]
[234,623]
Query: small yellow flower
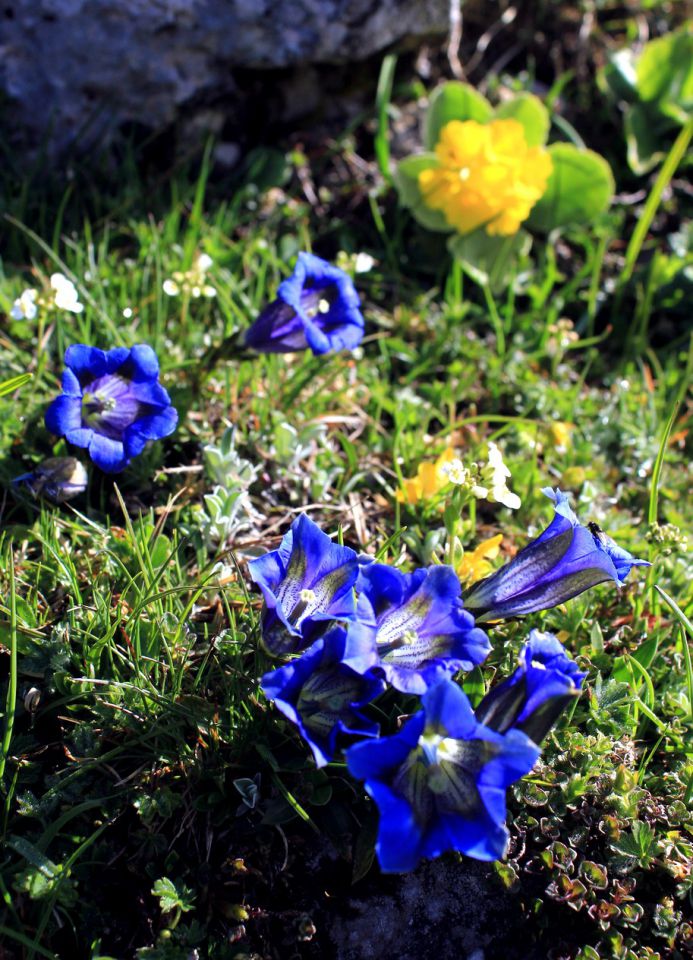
[560,434]
[487,176]
[429,480]
[475,564]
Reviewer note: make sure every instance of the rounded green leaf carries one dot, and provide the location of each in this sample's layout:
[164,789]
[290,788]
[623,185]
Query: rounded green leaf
[665,69]
[407,185]
[453,101]
[489,260]
[579,189]
[531,113]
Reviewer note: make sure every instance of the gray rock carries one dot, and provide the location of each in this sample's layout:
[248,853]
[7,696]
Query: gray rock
[445,910]
[79,69]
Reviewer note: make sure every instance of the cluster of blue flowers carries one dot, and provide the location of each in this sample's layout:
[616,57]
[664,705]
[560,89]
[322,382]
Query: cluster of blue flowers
[352,626]
[112,403]
[348,626]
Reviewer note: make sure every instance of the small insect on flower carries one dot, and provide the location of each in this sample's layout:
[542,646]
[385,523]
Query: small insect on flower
[112,403]
[487,176]
[58,478]
[316,307]
[565,560]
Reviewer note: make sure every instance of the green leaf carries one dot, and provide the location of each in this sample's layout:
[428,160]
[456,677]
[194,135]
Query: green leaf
[646,137]
[531,113]
[619,75]
[172,897]
[486,259]
[407,184]
[665,70]
[579,189]
[14,383]
[453,101]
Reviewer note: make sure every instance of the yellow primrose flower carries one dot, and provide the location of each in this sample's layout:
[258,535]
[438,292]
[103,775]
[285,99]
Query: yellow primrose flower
[488,176]
[475,564]
[429,480]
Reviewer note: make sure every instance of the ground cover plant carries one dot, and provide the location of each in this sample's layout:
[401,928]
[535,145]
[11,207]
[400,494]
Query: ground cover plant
[302,499]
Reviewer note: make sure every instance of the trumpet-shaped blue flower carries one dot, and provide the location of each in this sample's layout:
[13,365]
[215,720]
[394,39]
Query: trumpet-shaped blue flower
[534,697]
[412,627]
[440,782]
[316,307]
[322,696]
[112,403]
[564,561]
[306,580]
[58,478]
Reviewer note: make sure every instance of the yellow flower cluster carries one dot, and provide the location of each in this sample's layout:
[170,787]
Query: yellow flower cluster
[487,176]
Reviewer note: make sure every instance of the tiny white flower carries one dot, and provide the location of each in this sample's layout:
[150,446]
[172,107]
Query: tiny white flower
[204,262]
[363,263]
[65,296]
[24,307]
[455,471]
[171,288]
[496,475]
[127,312]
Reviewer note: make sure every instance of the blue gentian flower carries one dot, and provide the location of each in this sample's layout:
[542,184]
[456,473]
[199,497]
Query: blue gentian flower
[308,579]
[112,403]
[440,782]
[412,627]
[58,478]
[322,696]
[564,561]
[534,697]
[316,307]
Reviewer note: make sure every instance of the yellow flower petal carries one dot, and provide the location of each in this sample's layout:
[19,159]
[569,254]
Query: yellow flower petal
[488,175]
[475,563]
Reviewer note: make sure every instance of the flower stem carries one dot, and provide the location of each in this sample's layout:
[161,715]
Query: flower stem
[11,699]
[495,319]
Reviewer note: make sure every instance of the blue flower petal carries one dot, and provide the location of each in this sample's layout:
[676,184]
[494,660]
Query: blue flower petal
[107,454]
[80,437]
[421,630]
[145,365]
[151,393]
[87,363]
[71,386]
[115,358]
[64,414]
[398,846]
[317,306]
[449,712]
[565,560]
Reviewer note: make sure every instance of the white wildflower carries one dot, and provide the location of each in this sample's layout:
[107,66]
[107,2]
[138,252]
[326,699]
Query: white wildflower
[64,294]
[455,471]
[496,474]
[24,307]
[363,263]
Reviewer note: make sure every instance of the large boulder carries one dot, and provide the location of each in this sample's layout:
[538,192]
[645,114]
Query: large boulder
[80,69]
